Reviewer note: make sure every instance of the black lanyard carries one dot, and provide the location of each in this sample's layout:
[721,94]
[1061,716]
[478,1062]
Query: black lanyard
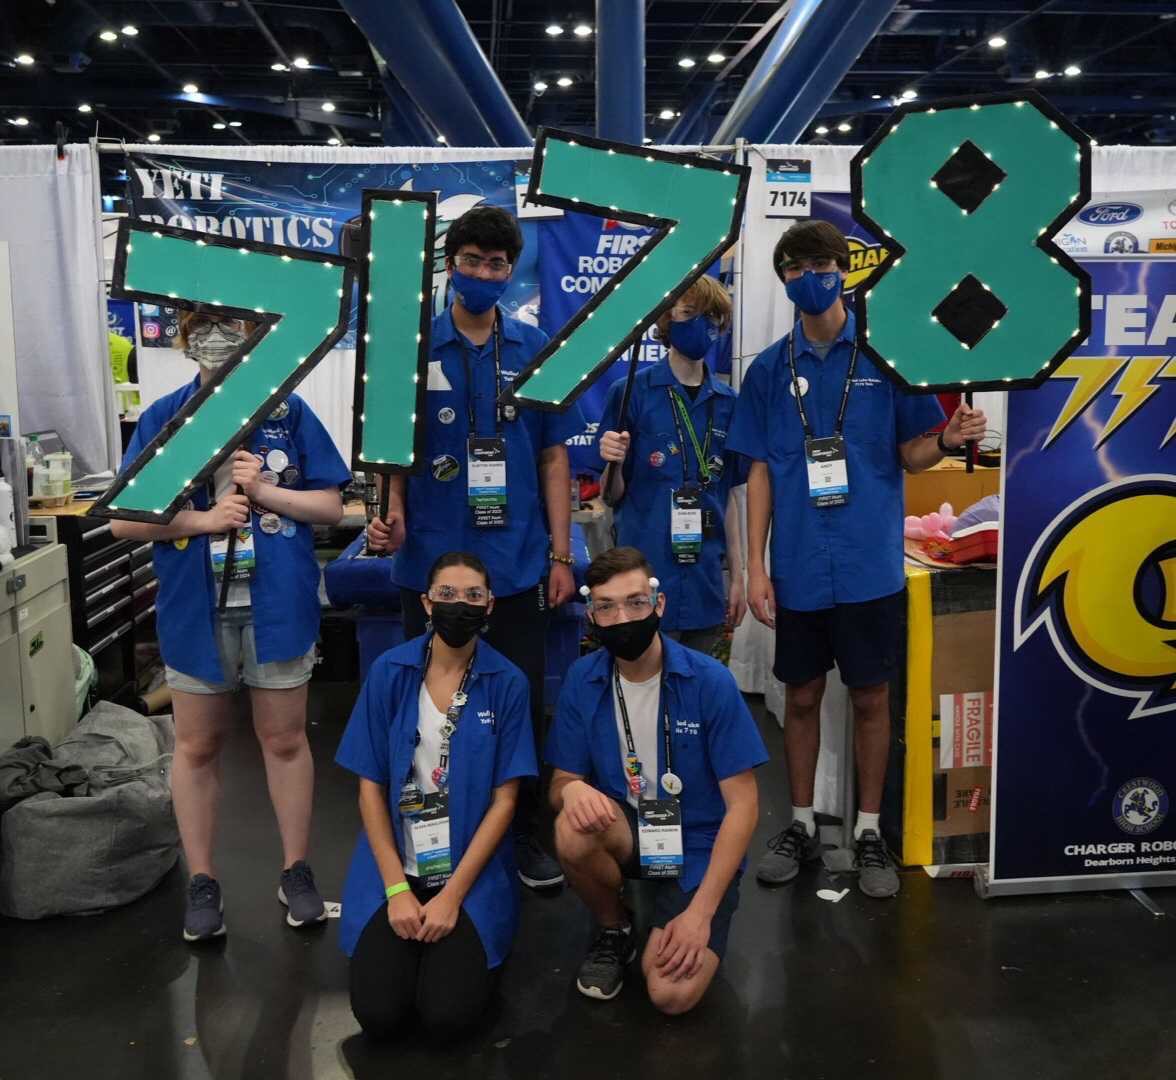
[469,370]
[453,712]
[680,411]
[664,695]
[839,426]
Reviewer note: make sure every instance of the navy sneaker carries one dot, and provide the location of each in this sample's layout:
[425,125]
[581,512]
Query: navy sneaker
[297,891]
[602,974]
[537,869]
[204,918]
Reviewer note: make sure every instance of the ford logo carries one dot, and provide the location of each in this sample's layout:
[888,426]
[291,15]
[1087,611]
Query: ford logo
[1111,213]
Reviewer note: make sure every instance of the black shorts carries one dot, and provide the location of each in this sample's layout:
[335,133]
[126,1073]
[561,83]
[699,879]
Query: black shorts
[861,639]
[670,899]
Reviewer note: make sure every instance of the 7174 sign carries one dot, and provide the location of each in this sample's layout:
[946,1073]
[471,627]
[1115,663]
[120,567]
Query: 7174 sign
[788,184]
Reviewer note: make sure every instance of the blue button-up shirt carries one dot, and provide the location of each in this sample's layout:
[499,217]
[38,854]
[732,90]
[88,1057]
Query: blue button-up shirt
[713,737]
[284,587]
[493,744]
[657,464]
[838,554]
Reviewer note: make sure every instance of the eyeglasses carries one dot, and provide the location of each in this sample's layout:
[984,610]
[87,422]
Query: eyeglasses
[447,594]
[637,606]
[200,324]
[475,263]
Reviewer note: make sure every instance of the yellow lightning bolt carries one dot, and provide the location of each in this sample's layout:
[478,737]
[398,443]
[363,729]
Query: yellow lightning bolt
[1134,387]
[1169,373]
[1092,373]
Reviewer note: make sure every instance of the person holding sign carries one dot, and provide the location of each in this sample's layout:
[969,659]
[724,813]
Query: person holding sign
[491,472]
[653,750]
[671,478]
[271,491]
[440,738]
[829,436]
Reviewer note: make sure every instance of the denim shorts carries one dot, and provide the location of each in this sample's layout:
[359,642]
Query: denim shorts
[238,654]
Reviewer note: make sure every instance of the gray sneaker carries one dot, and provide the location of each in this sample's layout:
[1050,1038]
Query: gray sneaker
[602,974]
[877,875]
[204,918]
[786,851]
[297,891]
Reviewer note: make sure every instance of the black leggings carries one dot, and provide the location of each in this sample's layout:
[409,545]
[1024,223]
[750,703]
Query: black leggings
[446,984]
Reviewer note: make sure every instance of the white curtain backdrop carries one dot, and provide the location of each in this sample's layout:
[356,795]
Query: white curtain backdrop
[49,216]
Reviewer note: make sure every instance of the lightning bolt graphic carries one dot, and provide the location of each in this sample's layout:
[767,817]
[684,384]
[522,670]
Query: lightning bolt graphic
[1169,373]
[1134,387]
[1092,373]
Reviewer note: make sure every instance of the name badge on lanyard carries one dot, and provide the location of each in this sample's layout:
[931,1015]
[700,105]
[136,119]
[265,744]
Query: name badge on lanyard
[486,472]
[825,458]
[430,840]
[686,524]
[659,838]
[244,555]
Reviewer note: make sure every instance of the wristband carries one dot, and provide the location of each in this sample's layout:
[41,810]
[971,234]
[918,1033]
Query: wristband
[396,890]
[567,560]
[943,447]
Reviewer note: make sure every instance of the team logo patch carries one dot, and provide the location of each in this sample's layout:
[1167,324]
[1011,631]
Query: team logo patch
[657,459]
[445,467]
[1140,806]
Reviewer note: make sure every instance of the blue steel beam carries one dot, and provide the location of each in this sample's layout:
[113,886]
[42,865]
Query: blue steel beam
[620,70]
[414,55]
[685,130]
[803,64]
[406,119]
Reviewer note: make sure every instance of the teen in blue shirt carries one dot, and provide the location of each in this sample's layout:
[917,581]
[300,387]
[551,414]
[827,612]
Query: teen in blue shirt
[644,718]
[291,474]
[428,922]
[477,352]
[836,588]
[673,451]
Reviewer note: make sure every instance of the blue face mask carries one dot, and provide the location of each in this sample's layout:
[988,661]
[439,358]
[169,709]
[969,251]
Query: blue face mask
[477,295]
[694,337]
[814,293]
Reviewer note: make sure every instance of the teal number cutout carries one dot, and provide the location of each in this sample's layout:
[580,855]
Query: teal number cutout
[299,299]
[982,261]
[695,203]
[392,353]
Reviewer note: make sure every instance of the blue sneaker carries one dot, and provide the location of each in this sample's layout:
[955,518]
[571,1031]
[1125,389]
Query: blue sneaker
[204,918]
[297,891]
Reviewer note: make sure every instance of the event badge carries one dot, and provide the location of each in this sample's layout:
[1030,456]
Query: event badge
[487,481]
[659,838]
[244,554]
[686,524]
[828,477]
[430,840]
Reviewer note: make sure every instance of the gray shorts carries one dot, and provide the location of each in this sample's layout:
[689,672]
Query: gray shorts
[238,653]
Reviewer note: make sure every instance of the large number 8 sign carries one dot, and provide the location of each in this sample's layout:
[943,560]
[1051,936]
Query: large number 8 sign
[968,194]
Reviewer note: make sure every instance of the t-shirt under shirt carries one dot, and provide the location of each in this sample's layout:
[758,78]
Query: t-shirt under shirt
[427,757]
[642,700]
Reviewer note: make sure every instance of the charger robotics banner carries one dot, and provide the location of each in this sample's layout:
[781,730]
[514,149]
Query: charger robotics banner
[1085,747]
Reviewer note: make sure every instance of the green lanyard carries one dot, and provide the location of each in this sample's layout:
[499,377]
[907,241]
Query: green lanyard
[682,416]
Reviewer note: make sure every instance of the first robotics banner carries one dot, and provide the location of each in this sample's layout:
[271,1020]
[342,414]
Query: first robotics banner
[1085,753]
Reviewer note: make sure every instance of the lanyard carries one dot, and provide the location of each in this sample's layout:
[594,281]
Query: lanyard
[665,699]
[681,414]
[465,355]
[453,713]
[839,426]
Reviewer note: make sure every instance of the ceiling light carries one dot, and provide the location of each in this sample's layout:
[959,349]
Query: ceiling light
[84,108]
[843,127]
[876,97]
[563,81]
[910,94]
[234,123]
[19,121]
[218,126]
[130,31]
[108,35]
[328,106]
[647,139]
[301,63]
[716,58]
[332,141]
[442,139]
[685,62]
[279,66]
[997,42]
[24,59]
[191,88]
[554,30]
[1041,73]
[1072,70]
[153,137]
[666,114]
[540,86]
[821,130]
[582,30]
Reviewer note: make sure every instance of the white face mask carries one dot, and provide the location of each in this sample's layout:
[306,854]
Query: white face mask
[214,346]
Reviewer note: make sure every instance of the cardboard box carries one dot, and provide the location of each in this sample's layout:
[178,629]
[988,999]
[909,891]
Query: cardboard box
[949,482]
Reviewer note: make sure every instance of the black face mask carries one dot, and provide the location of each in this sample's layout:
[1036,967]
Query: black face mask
[457,623]
[628,640]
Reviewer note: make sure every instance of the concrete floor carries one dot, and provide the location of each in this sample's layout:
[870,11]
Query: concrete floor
[933,984]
